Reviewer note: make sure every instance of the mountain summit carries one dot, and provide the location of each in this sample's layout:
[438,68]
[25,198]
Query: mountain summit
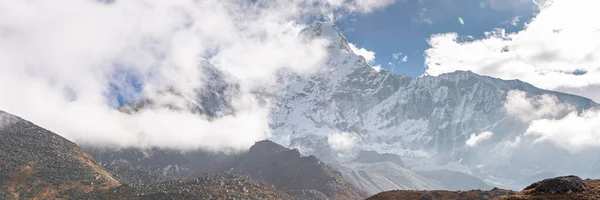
[329,31]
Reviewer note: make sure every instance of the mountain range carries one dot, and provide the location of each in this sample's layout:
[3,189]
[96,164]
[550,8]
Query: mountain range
[346,131]
[426,120]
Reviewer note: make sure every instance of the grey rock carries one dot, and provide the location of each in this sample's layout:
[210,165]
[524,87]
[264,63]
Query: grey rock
[563,184]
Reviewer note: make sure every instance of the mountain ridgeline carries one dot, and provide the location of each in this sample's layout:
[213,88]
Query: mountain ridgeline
[405,133]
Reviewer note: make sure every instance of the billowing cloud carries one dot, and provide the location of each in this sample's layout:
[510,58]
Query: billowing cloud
[63,63]
[525,108]
[342,140]
[553,121]
[557,49]
[368,55]
[574,132]
[475,139]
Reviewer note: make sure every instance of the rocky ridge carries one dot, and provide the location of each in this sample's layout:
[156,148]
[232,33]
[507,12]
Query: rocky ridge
[290,171]
[36,163]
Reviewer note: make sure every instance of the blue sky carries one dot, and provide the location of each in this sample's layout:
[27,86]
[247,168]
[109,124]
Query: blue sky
[404,27]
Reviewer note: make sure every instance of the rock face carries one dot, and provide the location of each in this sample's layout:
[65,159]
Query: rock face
[563,184]
[289,171]
[374,157]
[36,163]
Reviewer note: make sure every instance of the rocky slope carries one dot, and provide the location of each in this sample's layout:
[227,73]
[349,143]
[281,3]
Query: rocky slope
[382,176]
[287,170]
[36,163]
[159,162]
[209,187]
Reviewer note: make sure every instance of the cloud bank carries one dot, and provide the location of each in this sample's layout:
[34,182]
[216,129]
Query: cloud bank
[557,50]
[475,139]
[553,121]
[525,108]
[62,65]
[342,141]
[575,132]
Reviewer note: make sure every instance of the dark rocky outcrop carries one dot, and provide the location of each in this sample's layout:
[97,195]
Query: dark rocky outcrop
[563,184]
[291,172]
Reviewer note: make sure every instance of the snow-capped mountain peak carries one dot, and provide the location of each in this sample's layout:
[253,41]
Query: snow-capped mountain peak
[327,30]
[427,117]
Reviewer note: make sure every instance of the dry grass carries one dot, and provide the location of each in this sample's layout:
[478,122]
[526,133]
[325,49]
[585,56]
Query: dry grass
[19,179]
[86,159]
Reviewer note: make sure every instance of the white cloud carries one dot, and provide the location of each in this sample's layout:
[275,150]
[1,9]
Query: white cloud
[369,5]
[342,140]
[421,15]
[61,61]
[525,108]
[553,121]
[574,132]
[377,68]
[368,55]
[395,56]
[557,49]
[478,138]
[515,20]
